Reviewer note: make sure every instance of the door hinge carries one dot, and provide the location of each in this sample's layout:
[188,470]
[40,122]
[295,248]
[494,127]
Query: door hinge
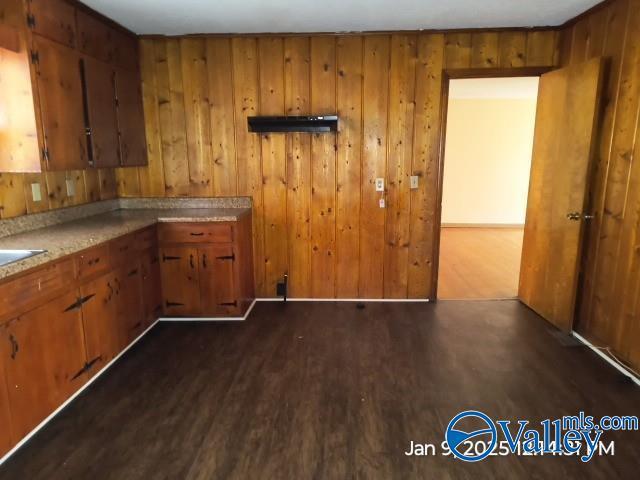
[31,20]
[132,272]
[35,57]
[174,304]
[79,302]
[231,257]
[45,154]
[229,304]
[87,366]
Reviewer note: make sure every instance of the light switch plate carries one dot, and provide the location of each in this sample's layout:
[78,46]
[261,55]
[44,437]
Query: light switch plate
[71,188]
[36,193]
[379,184]
[414,182]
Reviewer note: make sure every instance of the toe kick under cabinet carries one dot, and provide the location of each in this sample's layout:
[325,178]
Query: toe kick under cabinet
[206,268]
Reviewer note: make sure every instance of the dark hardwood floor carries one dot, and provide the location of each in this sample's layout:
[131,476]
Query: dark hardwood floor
[329,391]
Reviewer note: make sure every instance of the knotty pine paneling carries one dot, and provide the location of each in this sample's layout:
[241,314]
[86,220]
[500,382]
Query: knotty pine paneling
[316,211]
[609,304]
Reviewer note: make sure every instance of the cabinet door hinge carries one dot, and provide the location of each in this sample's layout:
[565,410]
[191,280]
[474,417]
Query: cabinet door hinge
[229,304]
[31,20]
[35,57]
[45,154]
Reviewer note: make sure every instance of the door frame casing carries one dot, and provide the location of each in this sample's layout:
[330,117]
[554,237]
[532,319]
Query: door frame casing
[448,75]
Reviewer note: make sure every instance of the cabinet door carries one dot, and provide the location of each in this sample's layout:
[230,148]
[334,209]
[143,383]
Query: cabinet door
[46,363]
[99,317]
[129,308]
[151,287]
[101,100]
[54,19]
[125,50]
[217,290]
[95,37]
[61,105]
[133,143]
[6,436]
[180,284]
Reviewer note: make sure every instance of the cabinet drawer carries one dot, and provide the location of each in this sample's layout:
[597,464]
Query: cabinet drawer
[147,239]
[195,233]
[93,261]
[35,288]
[122,250]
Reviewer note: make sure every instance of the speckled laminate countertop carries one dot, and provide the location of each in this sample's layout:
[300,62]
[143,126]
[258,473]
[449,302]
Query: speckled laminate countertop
[74,236]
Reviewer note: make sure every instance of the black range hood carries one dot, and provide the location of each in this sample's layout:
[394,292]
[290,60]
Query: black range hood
[309,124]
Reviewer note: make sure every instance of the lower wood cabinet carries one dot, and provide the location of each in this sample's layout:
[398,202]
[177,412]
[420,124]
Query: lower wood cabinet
[151,286]
[6,430]
[47,360]
[129,305]
[180,280]
[100,320]
[218,294]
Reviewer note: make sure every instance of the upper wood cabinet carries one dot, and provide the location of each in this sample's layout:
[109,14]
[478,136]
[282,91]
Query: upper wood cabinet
[57,86]
[53,19]
[95,38]
[61,104]
[46,361]
[100,91]
[133,146]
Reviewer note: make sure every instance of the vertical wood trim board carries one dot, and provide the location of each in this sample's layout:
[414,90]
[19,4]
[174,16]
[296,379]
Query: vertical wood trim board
[316,211]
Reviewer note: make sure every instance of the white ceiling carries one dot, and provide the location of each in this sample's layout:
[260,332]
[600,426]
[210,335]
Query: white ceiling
[494,88]
[174,17]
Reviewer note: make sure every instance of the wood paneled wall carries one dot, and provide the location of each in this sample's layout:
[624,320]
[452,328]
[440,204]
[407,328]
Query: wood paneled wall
[316,211]
[609,304]
[90,186]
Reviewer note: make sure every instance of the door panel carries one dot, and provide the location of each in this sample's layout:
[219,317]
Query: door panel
[101,96]
[151,288]
[180,281]
[129,306]
[95,37]
[133,146]
[568,106]
[6,437]
[99,316]
[54,19]
[217,290]
[48,351]
[61,104]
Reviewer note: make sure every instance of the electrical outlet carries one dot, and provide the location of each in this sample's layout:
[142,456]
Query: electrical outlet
[71,188]
[379,184]
[414,182]
[36,193]
[382,203]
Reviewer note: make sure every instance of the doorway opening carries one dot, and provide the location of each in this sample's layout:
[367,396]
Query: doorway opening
[490,125]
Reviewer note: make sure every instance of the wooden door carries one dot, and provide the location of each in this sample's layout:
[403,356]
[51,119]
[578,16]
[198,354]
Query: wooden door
[99,317]
[151,286]
[129,306]
[133,144]
[61,103]
[568,105]
[47,361]
[6,436]
[54,19]
[180,281]
[101,100]
[217,289]
[95,37]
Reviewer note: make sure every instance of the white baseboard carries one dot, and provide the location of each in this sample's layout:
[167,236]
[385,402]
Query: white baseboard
[72,397]
[210,319]
[609,360]
[362,300]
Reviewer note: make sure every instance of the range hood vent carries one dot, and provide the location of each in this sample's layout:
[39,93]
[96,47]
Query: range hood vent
[309,124]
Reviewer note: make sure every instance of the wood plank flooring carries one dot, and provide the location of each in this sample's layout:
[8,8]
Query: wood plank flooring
[479,263]
[330,391]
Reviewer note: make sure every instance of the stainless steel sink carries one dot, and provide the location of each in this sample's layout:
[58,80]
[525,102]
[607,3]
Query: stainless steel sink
[10,256]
